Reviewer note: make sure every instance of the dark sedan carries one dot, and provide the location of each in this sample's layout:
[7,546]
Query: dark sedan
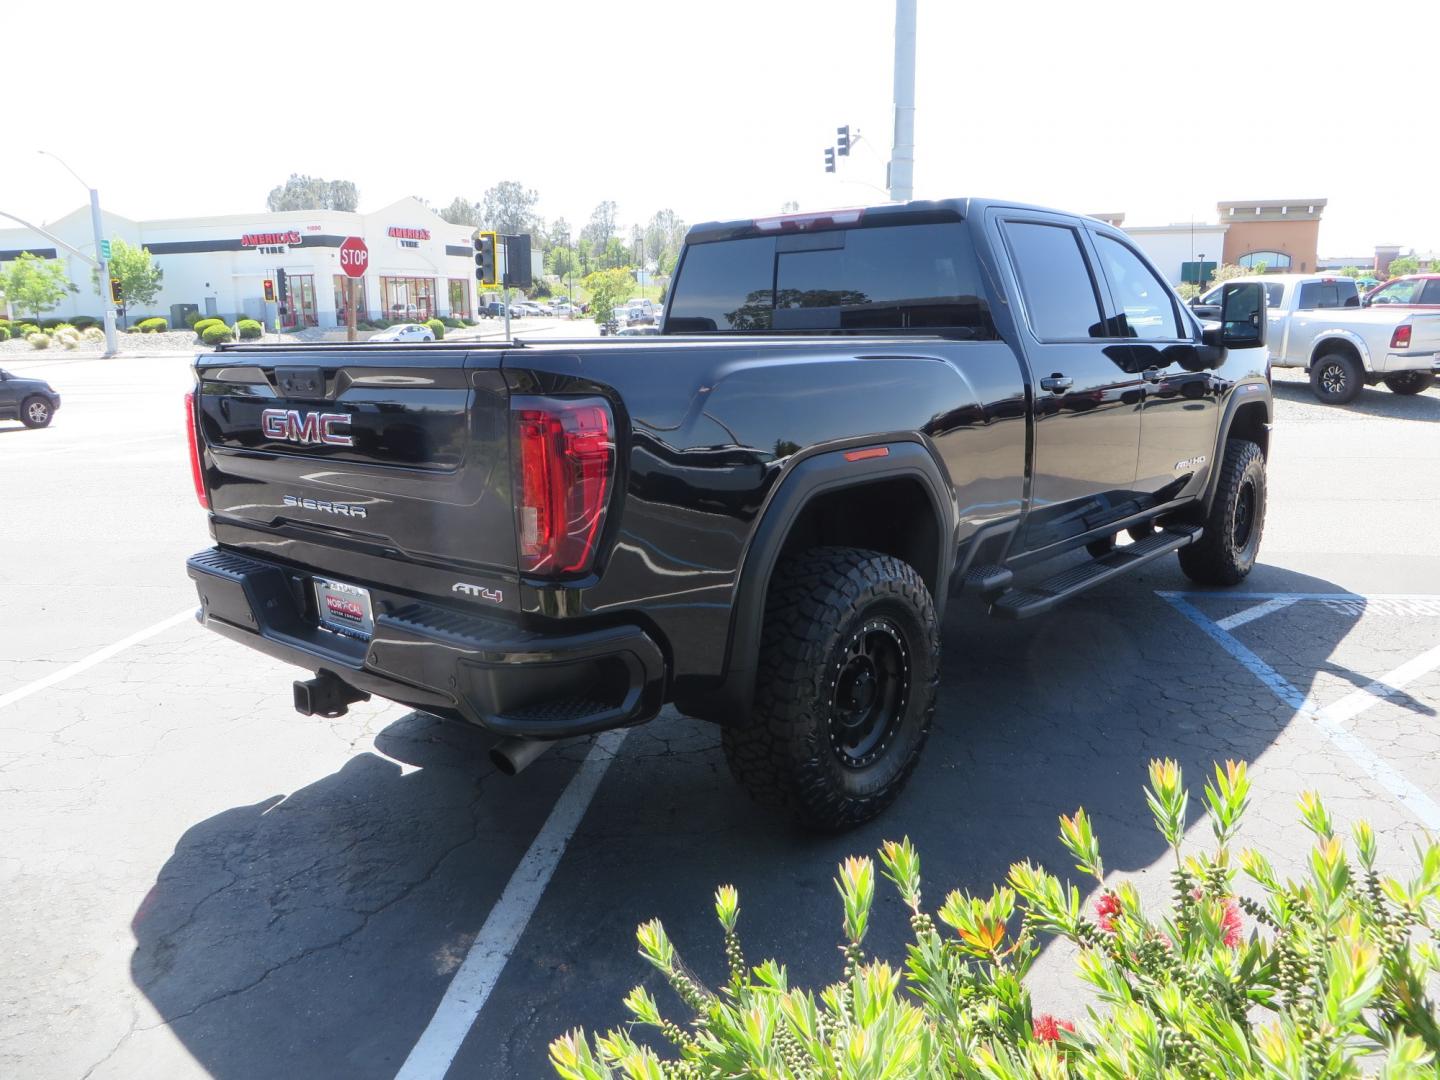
[31,401]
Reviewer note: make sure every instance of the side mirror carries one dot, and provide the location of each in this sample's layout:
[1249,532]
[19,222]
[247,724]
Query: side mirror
[1242,317]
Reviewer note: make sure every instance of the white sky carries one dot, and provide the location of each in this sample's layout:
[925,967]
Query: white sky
[721,108]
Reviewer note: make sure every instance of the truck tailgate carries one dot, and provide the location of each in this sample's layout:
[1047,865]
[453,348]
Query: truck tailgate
[1425,334]
[393,452]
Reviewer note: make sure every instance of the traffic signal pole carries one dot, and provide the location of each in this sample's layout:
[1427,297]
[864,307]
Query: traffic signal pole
[112,343]
[902,154]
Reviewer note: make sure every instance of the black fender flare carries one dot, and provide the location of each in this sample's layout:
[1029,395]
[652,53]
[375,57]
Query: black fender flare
[814,475]
[1242,396]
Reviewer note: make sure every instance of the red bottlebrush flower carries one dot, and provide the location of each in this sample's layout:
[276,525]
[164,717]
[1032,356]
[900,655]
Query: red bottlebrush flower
[1047,1028]
[1106,908]
[1234,925]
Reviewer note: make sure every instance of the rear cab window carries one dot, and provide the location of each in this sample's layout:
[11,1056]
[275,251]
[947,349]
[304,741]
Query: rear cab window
[921,277]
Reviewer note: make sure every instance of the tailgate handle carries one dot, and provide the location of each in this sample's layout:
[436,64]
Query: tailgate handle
[300,382]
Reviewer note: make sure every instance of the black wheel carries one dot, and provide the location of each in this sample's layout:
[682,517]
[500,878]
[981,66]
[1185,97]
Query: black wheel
[1336,379]
[844,695]
[1226,551]
[1100,547]
[1409,382]
[36,412]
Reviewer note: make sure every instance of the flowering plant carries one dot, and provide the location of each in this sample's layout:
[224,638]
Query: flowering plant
[1327,975]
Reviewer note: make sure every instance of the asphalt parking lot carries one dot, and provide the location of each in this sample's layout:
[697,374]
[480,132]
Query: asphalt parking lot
[196,881]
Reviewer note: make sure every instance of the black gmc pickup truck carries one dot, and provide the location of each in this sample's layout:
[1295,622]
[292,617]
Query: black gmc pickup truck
[758,514]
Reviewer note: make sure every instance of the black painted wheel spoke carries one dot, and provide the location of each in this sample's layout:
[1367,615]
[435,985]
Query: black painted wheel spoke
[870,693]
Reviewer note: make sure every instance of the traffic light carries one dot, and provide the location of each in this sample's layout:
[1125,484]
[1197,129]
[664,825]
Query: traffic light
[269,287]
[829,159]
[282,287]
[842,141]
[517,261]
[117,296]
[486,271]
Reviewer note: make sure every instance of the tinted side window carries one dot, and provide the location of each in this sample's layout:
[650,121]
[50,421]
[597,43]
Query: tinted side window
[1060,294]
[902,277]
[1431,295]
[1274,293]
[889,278]
[726,285]
[1143,299]
[1323,294]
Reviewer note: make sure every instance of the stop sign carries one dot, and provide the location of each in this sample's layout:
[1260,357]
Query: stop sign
[354,256]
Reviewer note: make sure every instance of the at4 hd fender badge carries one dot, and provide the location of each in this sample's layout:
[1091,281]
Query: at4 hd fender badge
[495,596]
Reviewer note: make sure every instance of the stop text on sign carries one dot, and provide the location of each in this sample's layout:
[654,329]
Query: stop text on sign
[354,256]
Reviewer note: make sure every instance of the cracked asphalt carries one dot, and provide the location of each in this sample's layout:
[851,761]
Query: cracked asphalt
[195,881]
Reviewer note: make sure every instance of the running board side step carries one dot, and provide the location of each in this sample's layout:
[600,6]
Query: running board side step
[1028,600]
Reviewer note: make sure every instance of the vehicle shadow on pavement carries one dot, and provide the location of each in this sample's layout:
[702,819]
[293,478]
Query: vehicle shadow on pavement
[315,934]
[1371,401]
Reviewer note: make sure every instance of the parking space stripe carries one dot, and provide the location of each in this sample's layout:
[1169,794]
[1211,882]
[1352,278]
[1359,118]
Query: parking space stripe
[1259,611]
[1386,686]
[468,991]
[1407,794]
[99,656]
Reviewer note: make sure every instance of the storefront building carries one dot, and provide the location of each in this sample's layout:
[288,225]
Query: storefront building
[420,265]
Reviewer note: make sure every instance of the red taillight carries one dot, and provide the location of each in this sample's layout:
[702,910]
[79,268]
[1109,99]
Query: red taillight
[564,463]
[197,472]
[1400,339]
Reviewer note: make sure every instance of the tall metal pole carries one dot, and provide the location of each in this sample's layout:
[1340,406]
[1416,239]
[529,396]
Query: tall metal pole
[902,154]
[112,345]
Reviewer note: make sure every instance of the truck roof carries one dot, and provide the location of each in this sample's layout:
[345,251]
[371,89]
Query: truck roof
[908,213]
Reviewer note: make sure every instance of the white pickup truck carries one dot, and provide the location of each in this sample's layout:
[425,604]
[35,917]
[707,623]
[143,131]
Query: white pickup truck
[1316,323]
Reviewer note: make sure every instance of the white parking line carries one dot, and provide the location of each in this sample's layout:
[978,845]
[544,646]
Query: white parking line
[1388,685]
[468,991]
[1259,611]
[99,656]
[1407,794]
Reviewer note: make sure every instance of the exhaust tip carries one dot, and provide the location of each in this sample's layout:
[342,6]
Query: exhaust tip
[513,755]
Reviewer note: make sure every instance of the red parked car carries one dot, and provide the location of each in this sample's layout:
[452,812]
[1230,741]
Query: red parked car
[1410,291]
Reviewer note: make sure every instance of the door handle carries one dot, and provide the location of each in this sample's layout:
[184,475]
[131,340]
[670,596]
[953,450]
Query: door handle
[1151,374]
[1056,382]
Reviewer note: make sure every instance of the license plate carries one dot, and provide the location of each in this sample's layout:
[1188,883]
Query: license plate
[344,608]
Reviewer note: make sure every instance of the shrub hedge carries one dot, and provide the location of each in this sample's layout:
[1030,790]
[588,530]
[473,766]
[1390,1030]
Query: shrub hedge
[216,333]
[437,327]
[248,329]
[155,325]
[92,333]
[84,322]
[195,317]
[39,339]
[1330,974]
[24,329]
[202,324]
[4,333]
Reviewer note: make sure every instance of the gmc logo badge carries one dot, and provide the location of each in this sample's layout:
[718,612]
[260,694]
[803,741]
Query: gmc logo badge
[307,429]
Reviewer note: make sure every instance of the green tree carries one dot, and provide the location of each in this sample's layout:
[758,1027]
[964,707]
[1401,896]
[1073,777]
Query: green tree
[34,284]
[616,254]
[608,289]
[1406,264]
[601,228]
[1230,270]
[509,208]
[139,277]
[561,261]
[312,193]
[1351,271]
[663,238]
[462,211]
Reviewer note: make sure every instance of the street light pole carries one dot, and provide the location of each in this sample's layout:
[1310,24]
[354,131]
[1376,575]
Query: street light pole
[902,154]
[112,344]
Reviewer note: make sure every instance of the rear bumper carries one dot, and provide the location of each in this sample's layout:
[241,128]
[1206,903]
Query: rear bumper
[1410,361]
[487,671]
